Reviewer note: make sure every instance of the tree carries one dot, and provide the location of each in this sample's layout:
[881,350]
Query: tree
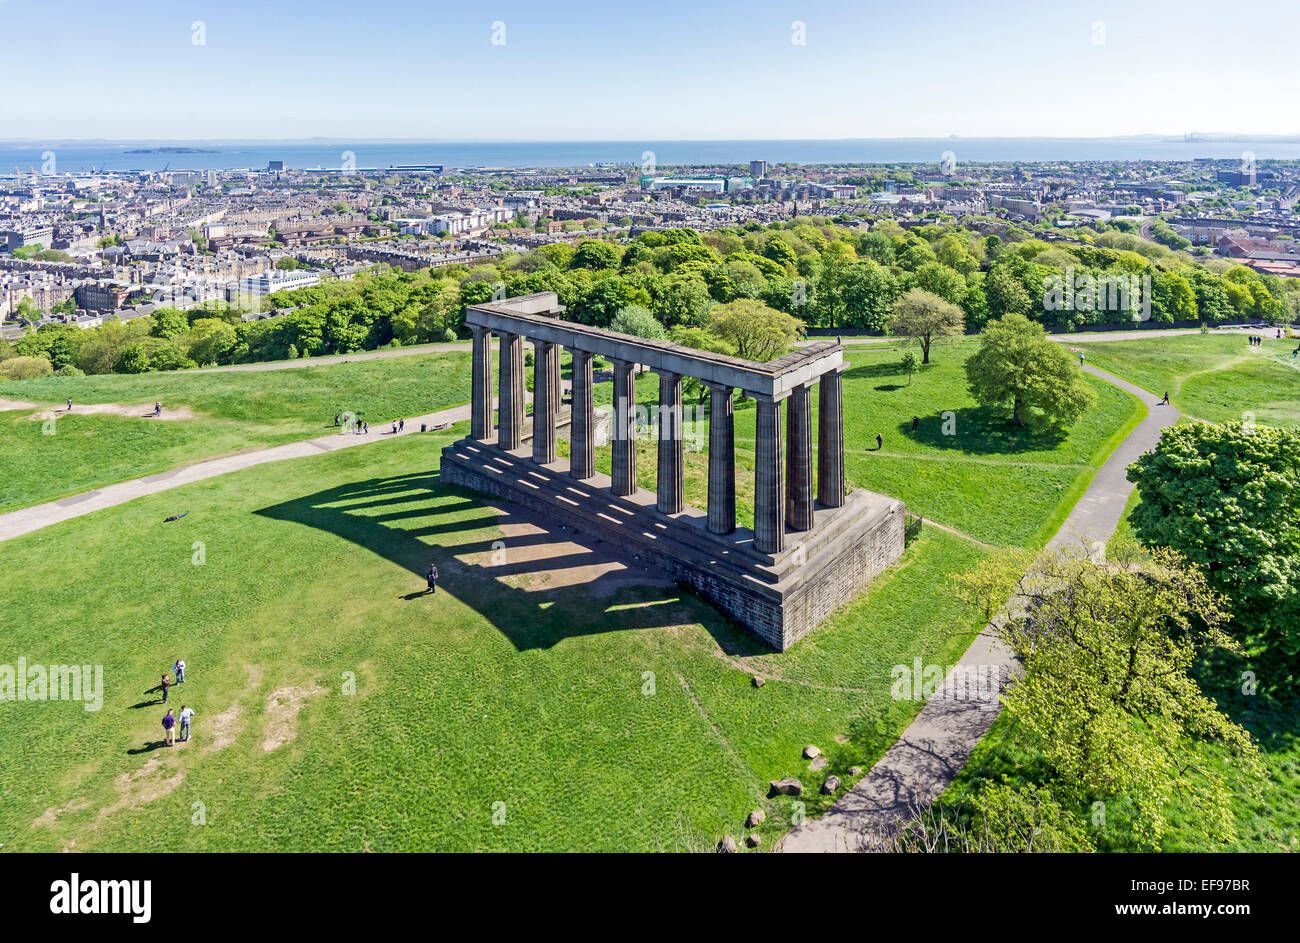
[1105,694]
[909,365]
[779,251]
[868,291]
[754,330]
[699,339]
[682,301]
[210,340]
[1228,498]
[923,316]
[1005,293]
[1019,365]
[639,322]
[168,322]
[939,279]
[595,255]
[25,368]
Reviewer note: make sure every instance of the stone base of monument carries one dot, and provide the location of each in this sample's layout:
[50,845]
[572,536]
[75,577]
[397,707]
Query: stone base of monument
[778,597]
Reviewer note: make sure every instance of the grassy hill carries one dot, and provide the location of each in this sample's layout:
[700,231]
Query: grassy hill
[579,705]
[233,411]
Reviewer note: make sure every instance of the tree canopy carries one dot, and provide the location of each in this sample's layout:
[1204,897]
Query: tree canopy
[1018,366]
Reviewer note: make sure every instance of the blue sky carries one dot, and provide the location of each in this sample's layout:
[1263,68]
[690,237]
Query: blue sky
[643,71]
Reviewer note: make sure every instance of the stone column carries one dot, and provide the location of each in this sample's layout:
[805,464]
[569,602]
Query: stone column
[722,460]
[582,436]
[557,380]
[510,392]
[671,445]
[624,432]
[480,408]
[799,470]
[830,440]
[543,405]
[769,478]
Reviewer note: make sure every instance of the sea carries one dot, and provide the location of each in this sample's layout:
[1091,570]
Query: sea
[81,156]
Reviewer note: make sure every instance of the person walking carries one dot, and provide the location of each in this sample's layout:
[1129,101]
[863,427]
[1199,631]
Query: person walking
[166,682]
[394,427]
[401,425]
[169,729]
[431,578]
[1081,358]
[916,421]
[366,426]
[179,669]
[1165,401]
[157,410]
[880,441]
[69,404]
[186,714]
[337,417]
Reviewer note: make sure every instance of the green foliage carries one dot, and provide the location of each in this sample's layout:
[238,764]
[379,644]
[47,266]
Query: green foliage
[25,368]
[909,364]
[1227,497]
[924,317]
[1018,366]
[754,330]
[638,322]
[595,255]
[1106,695]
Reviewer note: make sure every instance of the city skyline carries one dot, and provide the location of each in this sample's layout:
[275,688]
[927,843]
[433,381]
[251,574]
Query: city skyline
[757,71]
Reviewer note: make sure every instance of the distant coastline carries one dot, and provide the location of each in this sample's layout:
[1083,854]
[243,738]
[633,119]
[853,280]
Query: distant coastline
[155,155]
[172,150]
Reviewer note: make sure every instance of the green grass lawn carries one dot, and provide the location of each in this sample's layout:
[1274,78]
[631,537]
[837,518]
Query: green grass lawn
[1215,377]
[234,411]
[506,687]
[605,714]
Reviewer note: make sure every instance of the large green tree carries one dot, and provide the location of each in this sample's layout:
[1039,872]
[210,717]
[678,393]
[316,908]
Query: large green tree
[1018,366]
[1228,498]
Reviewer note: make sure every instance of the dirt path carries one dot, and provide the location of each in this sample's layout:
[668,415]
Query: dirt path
[137,411]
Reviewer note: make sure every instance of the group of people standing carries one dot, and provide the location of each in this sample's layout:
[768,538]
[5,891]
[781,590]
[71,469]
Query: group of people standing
[170,720]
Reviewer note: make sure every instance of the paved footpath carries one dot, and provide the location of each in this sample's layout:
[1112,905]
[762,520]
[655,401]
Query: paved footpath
[933,750]
[26,520]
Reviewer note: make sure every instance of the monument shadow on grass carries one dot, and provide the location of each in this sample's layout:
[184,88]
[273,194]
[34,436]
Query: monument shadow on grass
[371,513]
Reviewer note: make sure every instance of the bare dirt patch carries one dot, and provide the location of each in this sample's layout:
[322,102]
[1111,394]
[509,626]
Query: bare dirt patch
[282,707]
[221,729]
[51,815]
[151,781]
[135,411]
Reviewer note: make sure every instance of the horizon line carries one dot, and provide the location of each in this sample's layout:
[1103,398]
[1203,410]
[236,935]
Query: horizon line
[1190,136]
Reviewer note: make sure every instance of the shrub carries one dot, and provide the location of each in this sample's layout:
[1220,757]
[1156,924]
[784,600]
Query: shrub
[25,368]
